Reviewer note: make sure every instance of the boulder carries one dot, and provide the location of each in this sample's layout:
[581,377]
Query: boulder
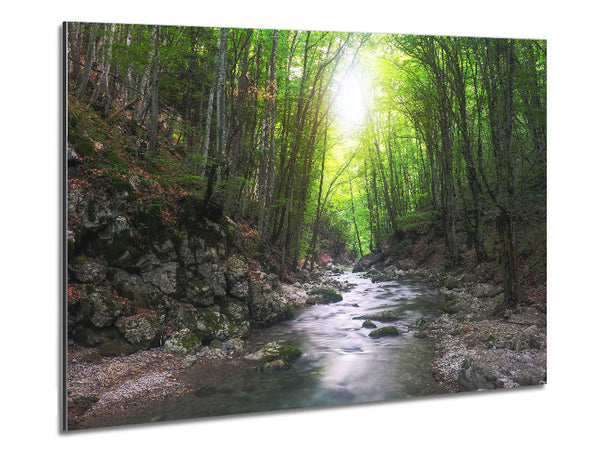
[237,277]
[117,347]
[529,338]
[325,294]
[141,332]
[199,293]
[163,277]
[97,306]
[500,368]
[183,342]
[275,366]
[267,308]
[133,287]
[275,356]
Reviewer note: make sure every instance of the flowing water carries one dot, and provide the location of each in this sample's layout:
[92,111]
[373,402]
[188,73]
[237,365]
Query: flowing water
[340,363]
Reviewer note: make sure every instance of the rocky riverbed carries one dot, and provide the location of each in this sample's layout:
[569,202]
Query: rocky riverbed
[108,390]
[476,347]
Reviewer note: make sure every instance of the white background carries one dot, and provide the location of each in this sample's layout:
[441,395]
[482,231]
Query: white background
[563,413]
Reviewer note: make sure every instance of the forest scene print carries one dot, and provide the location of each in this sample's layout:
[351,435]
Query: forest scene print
[264,219]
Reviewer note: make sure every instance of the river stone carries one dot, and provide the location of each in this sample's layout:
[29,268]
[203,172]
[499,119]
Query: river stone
[368,324]
[325,294]
[275,366]
[384,331]
[381,316]
[275,356]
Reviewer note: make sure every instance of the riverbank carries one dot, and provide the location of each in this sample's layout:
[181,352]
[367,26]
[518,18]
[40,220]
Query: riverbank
[476,346]
[115,390]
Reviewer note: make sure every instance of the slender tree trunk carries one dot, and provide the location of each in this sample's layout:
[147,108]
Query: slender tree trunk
[89,59]
[153,136]
[354,220]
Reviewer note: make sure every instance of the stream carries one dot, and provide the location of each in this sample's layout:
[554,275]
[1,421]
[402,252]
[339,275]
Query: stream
[340,363]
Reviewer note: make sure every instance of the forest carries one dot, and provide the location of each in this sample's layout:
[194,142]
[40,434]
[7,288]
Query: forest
[332,142]
[222,180]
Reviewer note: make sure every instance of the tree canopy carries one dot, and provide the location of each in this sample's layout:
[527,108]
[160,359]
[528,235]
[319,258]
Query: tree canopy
[329,142]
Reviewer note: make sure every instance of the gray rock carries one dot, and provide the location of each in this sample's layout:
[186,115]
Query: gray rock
[275,366]
[500,368]
[189,360]
[134,288]
[199,293]
[266,308]
[97,306]
[87,270]
[183,342]
[530,338]
[237,277]
[163,277]
[142,332]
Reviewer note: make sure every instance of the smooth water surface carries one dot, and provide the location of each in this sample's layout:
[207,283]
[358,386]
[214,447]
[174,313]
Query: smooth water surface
[340,364]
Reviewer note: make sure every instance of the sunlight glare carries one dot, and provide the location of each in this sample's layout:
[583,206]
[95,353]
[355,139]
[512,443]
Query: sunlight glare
[351,103]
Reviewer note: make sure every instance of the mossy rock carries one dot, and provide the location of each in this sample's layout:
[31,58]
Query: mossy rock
[326,294]
[275,350]
[368,324]
[450,307]
[116,347]
[381,316]
[275,366]
[183,342]
[452,283]
[383,332]
[142,332]
[82,145]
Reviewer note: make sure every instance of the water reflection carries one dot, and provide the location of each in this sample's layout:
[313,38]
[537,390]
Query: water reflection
[340,364]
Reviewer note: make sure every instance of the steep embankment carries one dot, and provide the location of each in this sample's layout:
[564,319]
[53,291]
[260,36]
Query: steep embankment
[477,345]
[154,272]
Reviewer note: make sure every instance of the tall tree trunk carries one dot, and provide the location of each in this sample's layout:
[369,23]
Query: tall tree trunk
[153,135]
[89,59]
[354,220]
